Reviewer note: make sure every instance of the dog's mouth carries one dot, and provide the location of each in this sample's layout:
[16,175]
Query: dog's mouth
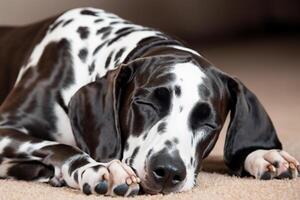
[148,186]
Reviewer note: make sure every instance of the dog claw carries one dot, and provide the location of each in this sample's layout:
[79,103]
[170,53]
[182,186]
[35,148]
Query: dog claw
[271,168]
[129,181]
[293,170]
[286,165]
[133,179]
[292,166]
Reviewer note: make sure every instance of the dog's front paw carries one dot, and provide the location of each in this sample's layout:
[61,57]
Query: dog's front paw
[269,164]
[114,179]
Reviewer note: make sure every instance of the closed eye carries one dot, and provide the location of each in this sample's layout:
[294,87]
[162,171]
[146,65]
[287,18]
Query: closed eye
[211,126]
[201,115]
[146,103]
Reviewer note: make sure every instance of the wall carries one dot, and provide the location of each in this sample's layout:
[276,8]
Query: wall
[188,19]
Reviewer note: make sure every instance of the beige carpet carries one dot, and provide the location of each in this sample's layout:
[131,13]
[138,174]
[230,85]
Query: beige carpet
[271,68]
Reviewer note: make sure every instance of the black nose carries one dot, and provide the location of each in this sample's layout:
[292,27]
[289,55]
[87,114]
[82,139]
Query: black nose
[168,171]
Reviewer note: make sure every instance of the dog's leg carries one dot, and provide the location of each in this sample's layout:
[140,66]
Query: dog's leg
[252,144]
[28,158]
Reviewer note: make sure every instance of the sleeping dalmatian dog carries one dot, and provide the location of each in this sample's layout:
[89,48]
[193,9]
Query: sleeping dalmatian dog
[94,102]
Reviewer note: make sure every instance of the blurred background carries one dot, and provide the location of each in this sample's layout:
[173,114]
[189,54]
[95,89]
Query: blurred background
[190,20]
[255,40]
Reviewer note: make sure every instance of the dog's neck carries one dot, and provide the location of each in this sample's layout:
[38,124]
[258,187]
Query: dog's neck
[161,47]
[156,46]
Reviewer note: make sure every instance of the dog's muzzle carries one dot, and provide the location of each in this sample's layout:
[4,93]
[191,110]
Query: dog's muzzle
[166,172]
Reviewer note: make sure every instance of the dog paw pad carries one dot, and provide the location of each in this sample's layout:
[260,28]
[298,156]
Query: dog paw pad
[86,189]
[102,187]
[121,190]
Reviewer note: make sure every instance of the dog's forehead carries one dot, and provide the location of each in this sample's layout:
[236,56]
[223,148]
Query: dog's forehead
[189,78]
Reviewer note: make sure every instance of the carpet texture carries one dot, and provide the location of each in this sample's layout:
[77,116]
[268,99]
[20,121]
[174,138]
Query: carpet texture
[268,66]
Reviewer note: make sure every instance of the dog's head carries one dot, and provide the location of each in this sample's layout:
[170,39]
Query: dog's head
[170,116]
[161,115]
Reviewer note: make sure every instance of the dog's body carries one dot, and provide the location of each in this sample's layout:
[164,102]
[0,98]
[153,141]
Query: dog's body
[83,89]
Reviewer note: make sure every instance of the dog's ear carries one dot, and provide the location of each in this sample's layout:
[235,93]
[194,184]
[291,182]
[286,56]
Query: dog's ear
[250,127]
[94,115]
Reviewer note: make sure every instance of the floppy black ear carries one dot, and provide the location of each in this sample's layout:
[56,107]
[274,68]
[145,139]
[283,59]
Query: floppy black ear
[250,127]
[93,112]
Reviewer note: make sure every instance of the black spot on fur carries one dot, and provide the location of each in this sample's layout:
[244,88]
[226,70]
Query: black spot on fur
[126,146]
[119,37]
[177,90]
[119,54]
[149,153]
[203,91]
[176,140]
[55,25]
[61,102]
[107,62]
[163,96]
[105,35]
[83,54]
[92,67]
[199,114]
[145,135]
[180,108]
[125,33]
[98,20]
[76,176]
[191,161]
[276,164]
[168,144]
[161,128]
[86,189]
[88,12]
[79,162]
[96,168]
[103,30]
[30,170]
[83,32]
[9,152]
[98,77]
[67,22]
[134,153]
[99,47]
[122,30]
[115,22]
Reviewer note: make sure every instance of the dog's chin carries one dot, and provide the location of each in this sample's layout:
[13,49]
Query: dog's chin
[147,190]
[148,187]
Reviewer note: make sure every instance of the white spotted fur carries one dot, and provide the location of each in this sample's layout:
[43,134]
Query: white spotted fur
[81,75]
